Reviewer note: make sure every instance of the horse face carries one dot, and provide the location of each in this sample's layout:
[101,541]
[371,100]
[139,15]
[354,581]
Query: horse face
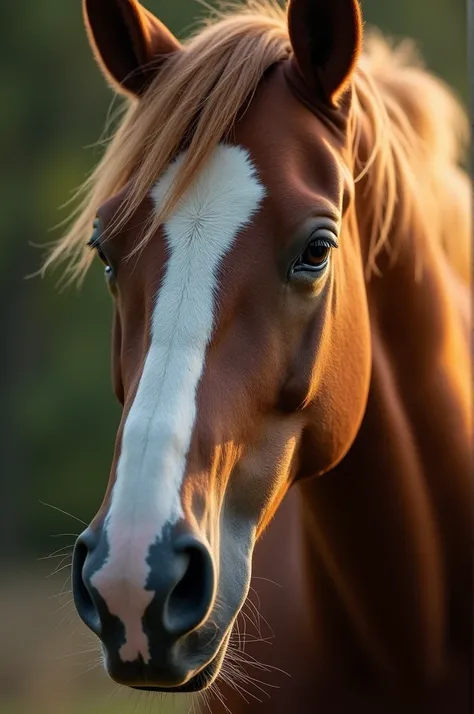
[241,357]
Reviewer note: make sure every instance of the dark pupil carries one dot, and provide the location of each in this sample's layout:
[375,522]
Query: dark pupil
[315,254]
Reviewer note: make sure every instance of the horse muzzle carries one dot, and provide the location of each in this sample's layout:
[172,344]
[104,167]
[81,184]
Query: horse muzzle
[153,618]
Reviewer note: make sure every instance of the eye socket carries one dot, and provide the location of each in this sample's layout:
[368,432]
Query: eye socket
[315,257]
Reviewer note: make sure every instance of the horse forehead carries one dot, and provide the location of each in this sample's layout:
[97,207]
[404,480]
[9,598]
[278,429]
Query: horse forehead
[291,146]
[190,246]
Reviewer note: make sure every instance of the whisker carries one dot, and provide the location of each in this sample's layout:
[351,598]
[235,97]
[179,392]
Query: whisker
[78,653]
[242,691]
[60,595]
[251,639]
[268,580]
[255,624]
[256,682]
[220,697]
[66,617]
[253,662]
[59,569]
[78,623]
[112,694]
[90,669]
[241,676]
[60,566]
[227,678]
[62,607]
[206,698]
[258,609]
[247,660]
[58,553]
[65,513]
[66,592]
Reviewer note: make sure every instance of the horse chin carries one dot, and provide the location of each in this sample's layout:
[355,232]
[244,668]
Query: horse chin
[192,671]
[199,681]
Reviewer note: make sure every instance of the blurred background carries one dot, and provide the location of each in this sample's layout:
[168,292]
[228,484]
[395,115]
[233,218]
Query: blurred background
[58,415]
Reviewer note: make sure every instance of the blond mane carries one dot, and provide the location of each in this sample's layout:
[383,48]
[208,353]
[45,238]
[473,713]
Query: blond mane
[417,134]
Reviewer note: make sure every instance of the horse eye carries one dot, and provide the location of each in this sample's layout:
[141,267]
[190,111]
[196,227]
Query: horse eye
[315,256]
[102,257]
[94,244]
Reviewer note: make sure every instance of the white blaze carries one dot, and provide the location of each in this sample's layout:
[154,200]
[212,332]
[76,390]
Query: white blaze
[158,430]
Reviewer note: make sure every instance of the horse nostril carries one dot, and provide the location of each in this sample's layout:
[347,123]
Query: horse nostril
[82,597]
[181,584]
[191,599]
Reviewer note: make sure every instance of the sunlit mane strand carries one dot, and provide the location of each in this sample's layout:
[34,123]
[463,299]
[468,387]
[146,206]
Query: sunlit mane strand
[408,133]
[410,137]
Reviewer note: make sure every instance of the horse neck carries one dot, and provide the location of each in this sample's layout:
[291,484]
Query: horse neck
[387,532]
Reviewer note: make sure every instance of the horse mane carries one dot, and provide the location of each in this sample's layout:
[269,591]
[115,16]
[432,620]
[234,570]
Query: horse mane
[418,134]
[415,129]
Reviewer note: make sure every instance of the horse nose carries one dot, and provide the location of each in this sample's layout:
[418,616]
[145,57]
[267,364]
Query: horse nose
[175,599]
[85,599]
[187,596]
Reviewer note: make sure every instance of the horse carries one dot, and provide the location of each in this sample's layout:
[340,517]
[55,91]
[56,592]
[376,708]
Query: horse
[284,221]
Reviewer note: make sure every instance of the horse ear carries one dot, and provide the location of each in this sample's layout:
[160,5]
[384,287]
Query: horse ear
[129,42]
[326,36]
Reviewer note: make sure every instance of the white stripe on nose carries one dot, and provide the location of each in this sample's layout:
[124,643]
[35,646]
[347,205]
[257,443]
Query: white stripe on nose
[158,430]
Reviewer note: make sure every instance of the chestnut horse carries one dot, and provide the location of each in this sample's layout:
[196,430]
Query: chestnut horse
[284,226]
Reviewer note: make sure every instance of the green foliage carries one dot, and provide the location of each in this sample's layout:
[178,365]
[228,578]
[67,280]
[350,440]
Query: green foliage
[59,416]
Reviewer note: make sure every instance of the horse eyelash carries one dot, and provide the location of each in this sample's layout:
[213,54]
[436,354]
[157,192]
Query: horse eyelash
[324,243]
